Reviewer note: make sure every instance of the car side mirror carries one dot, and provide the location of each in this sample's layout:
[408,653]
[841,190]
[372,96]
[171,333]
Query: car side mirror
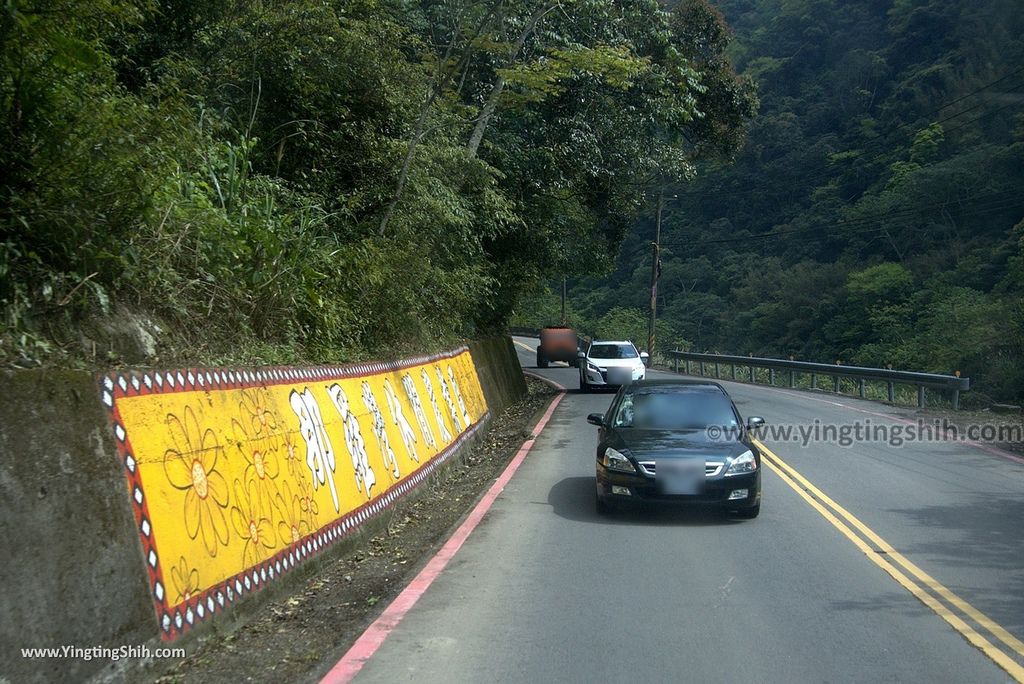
[596,419]
[581,355]
[644,355]
[754,422]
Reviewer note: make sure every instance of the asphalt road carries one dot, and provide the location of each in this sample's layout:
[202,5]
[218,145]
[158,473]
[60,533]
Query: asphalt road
[545,590]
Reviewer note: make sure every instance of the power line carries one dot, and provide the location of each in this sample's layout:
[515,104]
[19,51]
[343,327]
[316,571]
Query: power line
[830,175]
[996,202]
[905,212]
[984,87]
[876,231]
[864,222]
[821,233]
[881,139]
[994,111]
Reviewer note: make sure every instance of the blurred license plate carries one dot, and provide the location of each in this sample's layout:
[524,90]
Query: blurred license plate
[680,477]
[620,376]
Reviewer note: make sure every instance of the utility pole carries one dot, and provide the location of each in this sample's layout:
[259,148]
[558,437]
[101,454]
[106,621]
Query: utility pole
[656,257]
[563,302]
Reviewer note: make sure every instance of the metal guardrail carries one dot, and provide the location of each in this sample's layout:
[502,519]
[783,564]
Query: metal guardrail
[951,383]
[524,332]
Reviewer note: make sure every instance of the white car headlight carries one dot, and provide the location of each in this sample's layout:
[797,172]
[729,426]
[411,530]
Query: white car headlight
[742,464]
[616,460]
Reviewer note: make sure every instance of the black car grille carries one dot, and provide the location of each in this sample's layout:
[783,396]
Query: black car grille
[711,468]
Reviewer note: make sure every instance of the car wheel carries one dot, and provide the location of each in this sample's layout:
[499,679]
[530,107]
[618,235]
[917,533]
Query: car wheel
[542,359]
[749,513]
[604,507]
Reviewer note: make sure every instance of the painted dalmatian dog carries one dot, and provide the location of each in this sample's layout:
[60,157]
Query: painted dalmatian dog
[445,435]
[417,408]
[458,396]
[380,431]
[400,421]
[365,478]
[446,393]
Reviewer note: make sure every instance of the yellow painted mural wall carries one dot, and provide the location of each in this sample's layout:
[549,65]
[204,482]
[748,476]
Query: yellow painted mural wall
[237,476]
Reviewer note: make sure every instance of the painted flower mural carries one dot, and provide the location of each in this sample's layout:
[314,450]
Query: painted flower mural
[290,449]
[185,580]
[257,407]
[293,524]
[260,454]
[307,503]
[251,519]
[233,478]
[191,467]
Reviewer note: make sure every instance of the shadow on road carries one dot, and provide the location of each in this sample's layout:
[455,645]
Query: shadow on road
[573,499]
[890,602]
[978,534]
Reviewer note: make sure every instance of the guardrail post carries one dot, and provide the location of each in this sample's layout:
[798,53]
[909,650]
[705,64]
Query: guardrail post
[734,371]
[675,364]
[892,393]
[835,383]
[688,367]
[814,381]
[861,388]
[956,400]
[702,369]
[792,379]
[771,376]
[718,373]
[920,396]
[751,374]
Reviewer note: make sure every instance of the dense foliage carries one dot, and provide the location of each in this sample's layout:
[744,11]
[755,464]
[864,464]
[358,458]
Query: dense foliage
[331,178]
[874,215]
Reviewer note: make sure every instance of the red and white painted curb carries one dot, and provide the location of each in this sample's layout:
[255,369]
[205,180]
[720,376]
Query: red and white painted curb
[370,640]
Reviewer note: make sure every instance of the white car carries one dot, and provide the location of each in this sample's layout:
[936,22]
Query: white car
[610,364]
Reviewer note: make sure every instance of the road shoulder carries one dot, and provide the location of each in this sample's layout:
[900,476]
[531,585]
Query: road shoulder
[299,636]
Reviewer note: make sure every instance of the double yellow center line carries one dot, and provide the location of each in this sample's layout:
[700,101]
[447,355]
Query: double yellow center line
[919,583]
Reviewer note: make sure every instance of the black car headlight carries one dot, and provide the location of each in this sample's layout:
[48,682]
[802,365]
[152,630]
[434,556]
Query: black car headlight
[742,464]
[616,460]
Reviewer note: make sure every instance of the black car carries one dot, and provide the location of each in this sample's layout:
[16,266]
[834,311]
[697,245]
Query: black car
[677,442]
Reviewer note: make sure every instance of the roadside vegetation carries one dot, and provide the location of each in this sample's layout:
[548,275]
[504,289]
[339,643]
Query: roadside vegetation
[875,213]
[329,180]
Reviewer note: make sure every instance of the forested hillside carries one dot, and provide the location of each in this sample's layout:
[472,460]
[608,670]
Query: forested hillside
[875,212]
[329,179]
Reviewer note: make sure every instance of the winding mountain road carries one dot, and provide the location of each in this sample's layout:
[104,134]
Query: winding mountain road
[869,563]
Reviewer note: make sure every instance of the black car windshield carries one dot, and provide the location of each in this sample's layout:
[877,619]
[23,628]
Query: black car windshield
[675,410]
[612,351]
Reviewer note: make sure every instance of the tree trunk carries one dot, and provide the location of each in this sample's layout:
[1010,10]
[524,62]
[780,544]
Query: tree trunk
[499,84]
[410,152]
[421,121]
[485,116]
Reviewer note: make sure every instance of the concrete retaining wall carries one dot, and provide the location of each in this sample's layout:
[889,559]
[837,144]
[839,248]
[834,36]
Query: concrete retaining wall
[501,377]
[72,572]
[105,546]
